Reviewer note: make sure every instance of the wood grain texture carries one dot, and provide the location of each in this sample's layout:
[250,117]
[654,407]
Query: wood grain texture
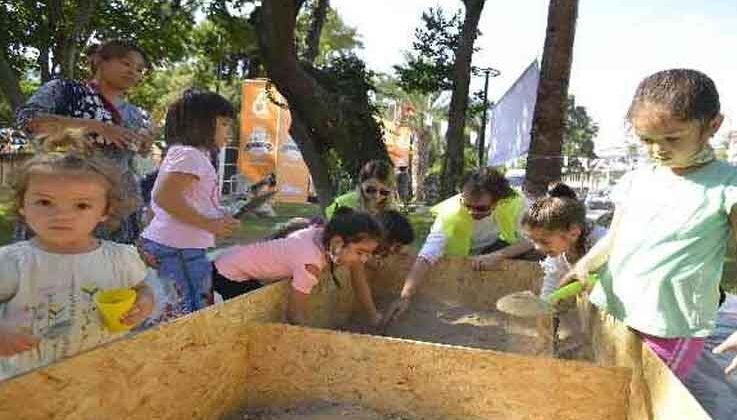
[214,362]
[656,393]
[427,381]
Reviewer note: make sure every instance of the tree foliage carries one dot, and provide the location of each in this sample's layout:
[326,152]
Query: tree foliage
[49,38]
[41,40]
[441,60]
[429,65]
[579,131]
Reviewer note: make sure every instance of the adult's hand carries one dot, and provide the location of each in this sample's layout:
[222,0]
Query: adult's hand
[120,137]
[394,311]
[149,136]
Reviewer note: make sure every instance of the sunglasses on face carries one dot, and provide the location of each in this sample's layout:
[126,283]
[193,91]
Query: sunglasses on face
[374,191]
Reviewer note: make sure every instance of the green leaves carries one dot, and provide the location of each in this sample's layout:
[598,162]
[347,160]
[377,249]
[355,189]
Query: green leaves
[429,66]
[580,130]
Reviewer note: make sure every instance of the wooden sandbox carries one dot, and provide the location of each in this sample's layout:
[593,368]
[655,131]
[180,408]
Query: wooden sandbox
[237,355]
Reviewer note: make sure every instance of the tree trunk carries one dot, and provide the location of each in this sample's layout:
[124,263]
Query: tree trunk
[43,64]
[56,30]
[421,163]
[320,111]
[544,160]
[453,161]
[312,157]
[315,163]
[9,83]
[69,48]
[319,14]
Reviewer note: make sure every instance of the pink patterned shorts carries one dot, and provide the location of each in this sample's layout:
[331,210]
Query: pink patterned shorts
[680,354]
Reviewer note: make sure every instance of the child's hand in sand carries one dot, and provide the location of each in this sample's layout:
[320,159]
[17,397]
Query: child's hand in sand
[142,307]
[14,341]
[730,344]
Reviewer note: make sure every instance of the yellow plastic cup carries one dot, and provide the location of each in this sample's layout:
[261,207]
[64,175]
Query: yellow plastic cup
[112,305]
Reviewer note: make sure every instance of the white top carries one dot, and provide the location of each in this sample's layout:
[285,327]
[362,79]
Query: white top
[51,296]
[485,233]
[557,267]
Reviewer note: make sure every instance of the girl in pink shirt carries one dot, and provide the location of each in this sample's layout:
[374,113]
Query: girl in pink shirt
[185,202]
[349,238]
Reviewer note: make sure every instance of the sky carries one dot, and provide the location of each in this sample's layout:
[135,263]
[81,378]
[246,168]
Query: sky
[618,42]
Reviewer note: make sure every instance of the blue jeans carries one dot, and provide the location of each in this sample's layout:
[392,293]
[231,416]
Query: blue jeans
[184,277]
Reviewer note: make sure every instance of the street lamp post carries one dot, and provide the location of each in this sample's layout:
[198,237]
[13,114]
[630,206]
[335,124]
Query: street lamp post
[488,72]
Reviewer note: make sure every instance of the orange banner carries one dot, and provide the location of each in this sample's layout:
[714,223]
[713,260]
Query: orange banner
[293,177]
[266,145]
[259,134]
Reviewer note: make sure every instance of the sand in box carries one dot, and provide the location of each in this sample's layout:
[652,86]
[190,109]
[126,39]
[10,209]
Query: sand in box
[317,410]
[447,323]
[450,323]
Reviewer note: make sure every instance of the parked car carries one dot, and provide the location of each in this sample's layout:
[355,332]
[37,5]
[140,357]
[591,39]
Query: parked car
[516,178]
[599,200]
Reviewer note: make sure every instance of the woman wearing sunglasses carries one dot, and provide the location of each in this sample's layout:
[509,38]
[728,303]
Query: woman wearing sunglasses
[483,222]
[375,193]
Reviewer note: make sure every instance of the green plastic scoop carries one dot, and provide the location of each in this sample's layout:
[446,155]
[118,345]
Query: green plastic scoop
[571,289]
[527,304]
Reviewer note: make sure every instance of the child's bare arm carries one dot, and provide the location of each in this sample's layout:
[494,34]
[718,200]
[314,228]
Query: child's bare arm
[297,307]
[142,307]
[597,255]
[170,197]
[362,289]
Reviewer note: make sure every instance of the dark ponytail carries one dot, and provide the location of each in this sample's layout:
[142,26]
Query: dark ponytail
[561,190]
[559,211]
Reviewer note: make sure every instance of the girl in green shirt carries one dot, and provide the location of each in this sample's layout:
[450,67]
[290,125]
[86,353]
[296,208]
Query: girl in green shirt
[661,262]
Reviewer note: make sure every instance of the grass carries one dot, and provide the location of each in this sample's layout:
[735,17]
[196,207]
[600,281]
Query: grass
[6,219]
[253,228]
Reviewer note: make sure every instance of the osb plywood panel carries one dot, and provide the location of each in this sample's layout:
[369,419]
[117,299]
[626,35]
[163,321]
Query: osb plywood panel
[656,392]
[330,304]
[453,280]
[193,368]
[426,381]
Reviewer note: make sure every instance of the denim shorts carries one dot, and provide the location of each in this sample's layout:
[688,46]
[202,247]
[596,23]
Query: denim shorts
[184,279]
